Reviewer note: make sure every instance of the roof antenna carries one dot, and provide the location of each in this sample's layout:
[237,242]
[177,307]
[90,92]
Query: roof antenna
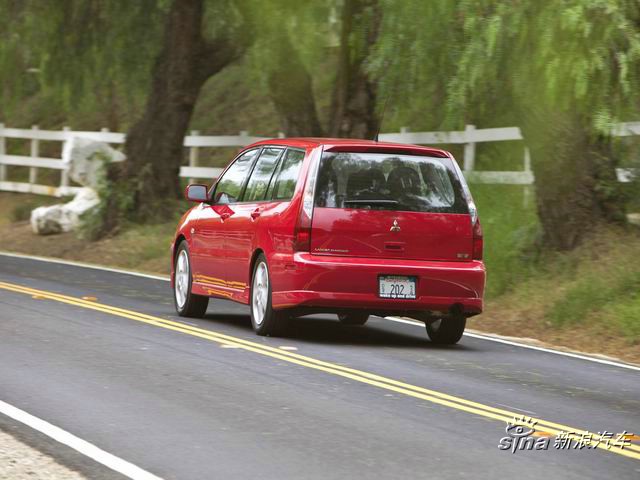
[384,110]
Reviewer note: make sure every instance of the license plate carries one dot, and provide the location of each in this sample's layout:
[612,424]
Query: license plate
[393,286]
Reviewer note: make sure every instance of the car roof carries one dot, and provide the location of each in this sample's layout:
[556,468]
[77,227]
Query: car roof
[352,144]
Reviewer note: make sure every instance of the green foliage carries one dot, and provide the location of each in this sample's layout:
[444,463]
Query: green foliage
[479,61]
[307,25]
[416,54]
[461,62]
[579,55]
[83,55]
[114,196]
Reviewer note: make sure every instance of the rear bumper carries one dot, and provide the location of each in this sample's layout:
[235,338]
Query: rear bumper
[325,282]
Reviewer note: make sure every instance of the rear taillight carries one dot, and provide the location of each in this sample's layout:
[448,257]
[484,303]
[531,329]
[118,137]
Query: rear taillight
[302,232]
[478,243]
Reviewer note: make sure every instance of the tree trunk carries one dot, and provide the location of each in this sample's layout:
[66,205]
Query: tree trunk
[291,90]
[353,109]
[154,145]
[576,186]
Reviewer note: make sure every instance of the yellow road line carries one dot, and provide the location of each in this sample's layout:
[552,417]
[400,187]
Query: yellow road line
[458,403]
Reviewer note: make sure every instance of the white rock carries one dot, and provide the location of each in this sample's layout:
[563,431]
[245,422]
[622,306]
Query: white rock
[86,159]
[63,217]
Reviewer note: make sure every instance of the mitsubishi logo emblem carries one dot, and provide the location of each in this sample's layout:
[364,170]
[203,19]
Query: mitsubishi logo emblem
[395,227]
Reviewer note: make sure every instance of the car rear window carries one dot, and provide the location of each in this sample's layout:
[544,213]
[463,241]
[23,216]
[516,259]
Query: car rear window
[384,181]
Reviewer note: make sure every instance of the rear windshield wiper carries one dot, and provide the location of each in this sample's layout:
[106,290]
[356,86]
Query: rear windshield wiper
[372,201]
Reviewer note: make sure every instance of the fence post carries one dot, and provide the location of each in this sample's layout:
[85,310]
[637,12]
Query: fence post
[281,135]
[64,174]
[193,155]
[3,148]
[469,150]
[244,140]
[35,153]
[526,199]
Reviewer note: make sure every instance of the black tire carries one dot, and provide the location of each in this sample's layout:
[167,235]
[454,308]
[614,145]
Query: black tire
[447,331]
[273,322]
[194,306]
[355,318]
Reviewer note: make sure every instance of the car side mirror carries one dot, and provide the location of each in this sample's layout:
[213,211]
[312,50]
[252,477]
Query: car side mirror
[197,193]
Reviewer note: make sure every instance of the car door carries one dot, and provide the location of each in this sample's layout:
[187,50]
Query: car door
[240,228]
[208,240]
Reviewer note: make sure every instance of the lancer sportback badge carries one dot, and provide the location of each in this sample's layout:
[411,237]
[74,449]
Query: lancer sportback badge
[395,227]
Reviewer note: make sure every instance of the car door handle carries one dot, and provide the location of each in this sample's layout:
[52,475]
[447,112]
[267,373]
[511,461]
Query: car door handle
[255,214]
[224,216]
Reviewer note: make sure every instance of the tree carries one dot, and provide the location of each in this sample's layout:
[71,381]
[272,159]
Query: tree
[572,71]
[96,52]
[565,72]
[291,89]
[353,108]
[154,145]
[290,80]
[78,59]
[414,59]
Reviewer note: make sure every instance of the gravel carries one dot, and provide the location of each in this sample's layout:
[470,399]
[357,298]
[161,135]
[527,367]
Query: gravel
[19,461]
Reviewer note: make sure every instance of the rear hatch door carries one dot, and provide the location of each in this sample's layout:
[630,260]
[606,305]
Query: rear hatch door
[388,205]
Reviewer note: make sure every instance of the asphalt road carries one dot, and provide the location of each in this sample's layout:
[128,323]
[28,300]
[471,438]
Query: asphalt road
[183,403]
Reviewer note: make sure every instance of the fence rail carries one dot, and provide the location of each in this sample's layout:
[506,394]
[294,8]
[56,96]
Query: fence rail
[469,137]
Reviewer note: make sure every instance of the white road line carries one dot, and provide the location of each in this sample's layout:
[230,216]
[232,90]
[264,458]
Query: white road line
[117,464]
[84,265]
[488,338]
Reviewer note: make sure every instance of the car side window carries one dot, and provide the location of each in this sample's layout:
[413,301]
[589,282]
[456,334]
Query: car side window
[261,175]
[287,177]
[229,187]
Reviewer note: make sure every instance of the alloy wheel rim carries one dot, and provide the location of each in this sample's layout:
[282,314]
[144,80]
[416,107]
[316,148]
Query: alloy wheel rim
[435,326]
[182,279]
[260,293]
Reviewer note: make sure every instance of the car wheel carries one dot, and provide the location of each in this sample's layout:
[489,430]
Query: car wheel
[187,303]
[353,318]
[447,331]
[264,319]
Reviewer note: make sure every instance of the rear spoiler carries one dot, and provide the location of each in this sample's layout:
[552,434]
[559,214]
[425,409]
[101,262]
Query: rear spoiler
[392,149]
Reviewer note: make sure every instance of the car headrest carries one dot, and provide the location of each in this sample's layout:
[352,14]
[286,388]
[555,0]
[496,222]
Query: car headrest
[403,180]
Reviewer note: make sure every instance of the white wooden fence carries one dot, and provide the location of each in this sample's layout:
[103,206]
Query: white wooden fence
[469,137]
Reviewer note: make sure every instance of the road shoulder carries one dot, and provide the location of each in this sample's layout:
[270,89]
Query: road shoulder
[28,454]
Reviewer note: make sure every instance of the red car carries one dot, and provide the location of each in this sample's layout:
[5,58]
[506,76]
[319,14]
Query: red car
[351,227]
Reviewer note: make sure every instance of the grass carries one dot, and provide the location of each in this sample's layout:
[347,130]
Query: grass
[603,287]
[17,207]
[626,317]
[593,291]
[510,226]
